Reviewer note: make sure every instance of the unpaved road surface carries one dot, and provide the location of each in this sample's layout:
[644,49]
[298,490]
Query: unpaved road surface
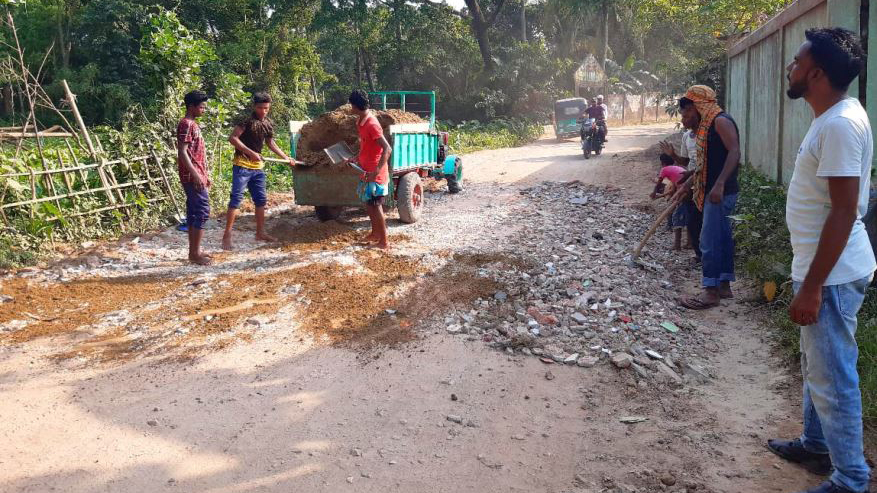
[475,356]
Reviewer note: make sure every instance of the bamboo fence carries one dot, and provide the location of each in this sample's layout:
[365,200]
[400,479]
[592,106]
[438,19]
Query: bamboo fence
[107,181]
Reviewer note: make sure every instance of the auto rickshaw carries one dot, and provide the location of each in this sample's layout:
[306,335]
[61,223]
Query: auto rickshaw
[567,115]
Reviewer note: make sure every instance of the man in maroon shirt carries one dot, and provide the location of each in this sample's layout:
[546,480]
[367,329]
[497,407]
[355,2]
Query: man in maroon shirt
[192,167]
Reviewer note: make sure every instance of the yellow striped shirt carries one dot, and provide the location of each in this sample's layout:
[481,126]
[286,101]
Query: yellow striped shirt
[243,162]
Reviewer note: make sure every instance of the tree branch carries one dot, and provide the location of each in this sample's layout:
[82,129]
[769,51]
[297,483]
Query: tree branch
[496,12]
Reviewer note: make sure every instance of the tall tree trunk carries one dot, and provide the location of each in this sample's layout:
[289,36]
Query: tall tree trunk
[604,15]
[8,101]
[399,74]
[367,62]
[62,43]
[524,21]
[358,70]
[479,29]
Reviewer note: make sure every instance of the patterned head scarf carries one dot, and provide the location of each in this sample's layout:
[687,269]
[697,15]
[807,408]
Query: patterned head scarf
[705,102]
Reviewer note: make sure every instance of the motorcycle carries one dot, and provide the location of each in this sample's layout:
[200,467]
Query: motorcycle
[593,136]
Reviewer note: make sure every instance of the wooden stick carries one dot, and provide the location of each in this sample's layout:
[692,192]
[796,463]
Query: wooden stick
[110,208]
[30,101]
[100,146]
[16,129]
[34,135]
[71,99]
[76,168]
[50,186]
[33,191]
[2,198]
[83,175]
[167,183]
[669,210]
[76,194]
[69,183]
[106,183]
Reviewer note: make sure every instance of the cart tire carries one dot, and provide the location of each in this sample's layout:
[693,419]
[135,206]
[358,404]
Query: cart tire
[410,198]
[455,179]
[327,212]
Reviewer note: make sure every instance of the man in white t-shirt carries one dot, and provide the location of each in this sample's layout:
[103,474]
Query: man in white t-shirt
[688,150]
[687,158]
[687,155]
[833,261]
[601,104]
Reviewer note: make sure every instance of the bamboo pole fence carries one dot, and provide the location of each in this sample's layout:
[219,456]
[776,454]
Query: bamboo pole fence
[109,181]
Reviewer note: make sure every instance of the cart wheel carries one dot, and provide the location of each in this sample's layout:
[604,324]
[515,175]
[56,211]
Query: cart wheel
[327,212]
[410,198]
[455,179]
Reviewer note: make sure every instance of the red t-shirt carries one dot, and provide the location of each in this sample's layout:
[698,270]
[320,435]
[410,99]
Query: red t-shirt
[370,149]
[672,173]
[189,132]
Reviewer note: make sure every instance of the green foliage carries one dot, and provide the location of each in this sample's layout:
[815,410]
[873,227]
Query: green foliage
[761,234]
[470,136]
[764,254]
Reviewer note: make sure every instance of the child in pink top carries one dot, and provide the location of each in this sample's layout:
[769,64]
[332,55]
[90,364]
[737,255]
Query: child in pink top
[665,186]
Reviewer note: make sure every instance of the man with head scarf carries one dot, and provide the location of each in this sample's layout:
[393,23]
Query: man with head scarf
[714,189]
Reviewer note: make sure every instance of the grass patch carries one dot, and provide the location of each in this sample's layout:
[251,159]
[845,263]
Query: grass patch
[765,254]
[474,136]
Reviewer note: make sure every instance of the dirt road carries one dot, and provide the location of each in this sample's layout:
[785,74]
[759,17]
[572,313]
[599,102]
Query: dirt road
[316,365]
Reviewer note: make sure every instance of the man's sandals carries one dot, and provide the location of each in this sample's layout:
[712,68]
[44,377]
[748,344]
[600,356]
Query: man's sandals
[697,303]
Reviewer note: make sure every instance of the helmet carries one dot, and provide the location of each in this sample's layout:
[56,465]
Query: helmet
[600,96]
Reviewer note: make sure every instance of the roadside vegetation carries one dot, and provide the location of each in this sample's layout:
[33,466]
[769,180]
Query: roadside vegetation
[765,255]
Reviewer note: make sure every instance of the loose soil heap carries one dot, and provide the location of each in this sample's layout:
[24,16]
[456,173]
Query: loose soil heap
[339,125]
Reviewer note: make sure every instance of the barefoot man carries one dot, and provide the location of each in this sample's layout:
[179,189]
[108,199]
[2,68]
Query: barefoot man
[248,139]
[374,156]
[192,167]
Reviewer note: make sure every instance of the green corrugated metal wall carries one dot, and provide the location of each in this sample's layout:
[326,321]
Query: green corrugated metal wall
[771,125]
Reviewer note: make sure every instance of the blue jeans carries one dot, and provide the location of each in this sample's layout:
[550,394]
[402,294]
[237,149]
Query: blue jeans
[717,242]
[832,400]
[197,206]
[252,179]
[679,218]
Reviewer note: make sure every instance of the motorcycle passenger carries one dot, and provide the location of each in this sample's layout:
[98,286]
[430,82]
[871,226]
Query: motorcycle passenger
[606,115]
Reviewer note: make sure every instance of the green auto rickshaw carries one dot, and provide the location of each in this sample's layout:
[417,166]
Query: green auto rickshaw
[567,113]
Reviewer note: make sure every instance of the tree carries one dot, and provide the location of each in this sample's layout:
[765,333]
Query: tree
[481,23]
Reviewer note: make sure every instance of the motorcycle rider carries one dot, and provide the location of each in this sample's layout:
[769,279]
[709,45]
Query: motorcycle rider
[597,111]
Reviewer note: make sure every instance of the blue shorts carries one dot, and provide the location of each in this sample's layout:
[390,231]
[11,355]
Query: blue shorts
[197,206]
[679,219]
[372,193]
[252,179]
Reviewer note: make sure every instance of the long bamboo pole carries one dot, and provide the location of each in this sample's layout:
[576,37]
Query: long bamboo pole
[167,183]
[51,198]
[71,99]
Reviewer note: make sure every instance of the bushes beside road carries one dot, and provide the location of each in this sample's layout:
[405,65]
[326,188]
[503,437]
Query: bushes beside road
[765,255]
[471,136]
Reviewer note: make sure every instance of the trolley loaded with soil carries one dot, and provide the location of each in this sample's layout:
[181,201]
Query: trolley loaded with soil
[419,152]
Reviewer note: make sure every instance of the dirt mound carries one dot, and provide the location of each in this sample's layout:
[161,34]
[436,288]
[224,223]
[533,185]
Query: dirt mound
[339,125]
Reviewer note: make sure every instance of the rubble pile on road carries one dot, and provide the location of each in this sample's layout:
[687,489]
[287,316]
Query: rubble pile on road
[572,295]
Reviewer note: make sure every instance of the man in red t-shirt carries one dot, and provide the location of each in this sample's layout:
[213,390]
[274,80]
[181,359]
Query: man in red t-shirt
[192,167]
[374,156]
